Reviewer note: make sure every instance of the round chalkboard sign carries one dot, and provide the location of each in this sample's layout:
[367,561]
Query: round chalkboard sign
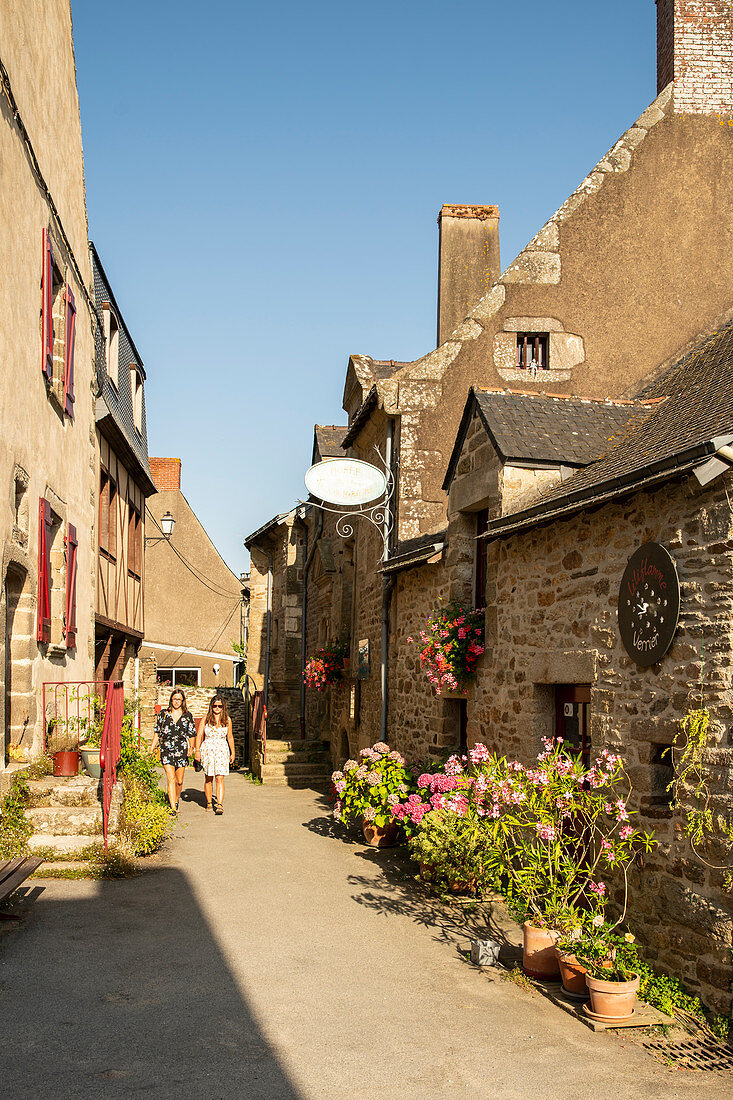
[648,604]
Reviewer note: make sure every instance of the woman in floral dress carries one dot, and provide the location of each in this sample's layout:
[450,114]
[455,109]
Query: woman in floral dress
[175,731]
[215,750]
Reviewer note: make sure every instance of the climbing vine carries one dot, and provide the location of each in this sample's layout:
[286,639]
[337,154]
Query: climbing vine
[690,789]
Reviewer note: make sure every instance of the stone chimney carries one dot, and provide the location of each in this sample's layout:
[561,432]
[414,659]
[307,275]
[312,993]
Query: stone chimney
[166,473]
[695,50]
[468,261]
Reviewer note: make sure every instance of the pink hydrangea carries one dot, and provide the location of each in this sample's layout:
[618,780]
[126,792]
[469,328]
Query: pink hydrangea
[425,780]
[381,748]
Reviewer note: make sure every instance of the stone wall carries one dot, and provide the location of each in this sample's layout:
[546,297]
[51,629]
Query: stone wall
[552,619]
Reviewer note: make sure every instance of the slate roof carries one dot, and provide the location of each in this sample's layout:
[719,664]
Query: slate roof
[694,410]
[327,441]
[412,552]
[547,429]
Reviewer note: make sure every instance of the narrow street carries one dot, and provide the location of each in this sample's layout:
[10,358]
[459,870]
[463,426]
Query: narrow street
[265,957]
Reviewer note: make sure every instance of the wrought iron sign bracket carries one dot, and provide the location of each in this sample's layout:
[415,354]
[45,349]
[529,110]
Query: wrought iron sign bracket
[378,512]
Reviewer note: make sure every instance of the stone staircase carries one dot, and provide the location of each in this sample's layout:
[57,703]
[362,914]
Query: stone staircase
[296,764]
[66,815]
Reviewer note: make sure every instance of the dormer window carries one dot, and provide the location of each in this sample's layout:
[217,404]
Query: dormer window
[136,391]
[532,351]
[112,333]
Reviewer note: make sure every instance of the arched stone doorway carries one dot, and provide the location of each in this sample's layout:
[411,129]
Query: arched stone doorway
[19,709]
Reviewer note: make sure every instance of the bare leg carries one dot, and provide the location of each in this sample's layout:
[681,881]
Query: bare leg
[180,772]
[170,776]
[220,789]
[208,791]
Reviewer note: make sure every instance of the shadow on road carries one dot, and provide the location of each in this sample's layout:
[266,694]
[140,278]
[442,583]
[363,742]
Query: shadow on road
[127,992]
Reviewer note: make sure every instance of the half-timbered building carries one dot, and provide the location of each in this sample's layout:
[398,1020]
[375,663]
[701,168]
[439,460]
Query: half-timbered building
[124,483]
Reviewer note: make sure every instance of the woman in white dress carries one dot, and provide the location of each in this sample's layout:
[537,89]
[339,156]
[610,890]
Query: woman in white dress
[215,749]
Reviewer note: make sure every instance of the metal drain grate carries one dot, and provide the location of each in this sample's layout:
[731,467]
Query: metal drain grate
[693,1053]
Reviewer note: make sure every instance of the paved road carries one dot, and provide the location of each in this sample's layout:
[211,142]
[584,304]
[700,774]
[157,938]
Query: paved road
[264,957]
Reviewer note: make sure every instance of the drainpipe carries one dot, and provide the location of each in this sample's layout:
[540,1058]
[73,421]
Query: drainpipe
[387,586]
[318,527]
[269,557]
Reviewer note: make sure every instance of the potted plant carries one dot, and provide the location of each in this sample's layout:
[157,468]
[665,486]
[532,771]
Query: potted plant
[450,646]
[611,960]
[63,745]
[367,789]
[91,748]
[326,666]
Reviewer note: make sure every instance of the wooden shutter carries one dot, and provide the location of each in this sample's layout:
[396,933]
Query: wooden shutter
[71,549]
[47,308]
[43,628]
[69,358]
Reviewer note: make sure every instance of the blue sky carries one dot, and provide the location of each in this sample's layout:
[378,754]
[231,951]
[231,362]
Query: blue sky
[263,183]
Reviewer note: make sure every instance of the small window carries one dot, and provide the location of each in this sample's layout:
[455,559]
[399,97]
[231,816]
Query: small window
[112,333]
[20,516]
[179,677]
[136,391]
[532,351]
[134,543]
[107,517]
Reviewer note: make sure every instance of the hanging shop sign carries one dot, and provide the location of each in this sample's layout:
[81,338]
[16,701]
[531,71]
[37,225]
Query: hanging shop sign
[648,604]
[345,481]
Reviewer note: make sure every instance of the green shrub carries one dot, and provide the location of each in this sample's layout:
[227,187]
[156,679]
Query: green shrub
[15,828]
[146,822]
[666,993]
[455,850]
[137,762]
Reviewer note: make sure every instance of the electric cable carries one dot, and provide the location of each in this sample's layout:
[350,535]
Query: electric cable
[206,581]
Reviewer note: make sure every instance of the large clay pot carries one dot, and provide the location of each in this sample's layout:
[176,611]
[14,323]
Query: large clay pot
[572,974]
[66,763]
[539,960]
[612,1000]
[378,836]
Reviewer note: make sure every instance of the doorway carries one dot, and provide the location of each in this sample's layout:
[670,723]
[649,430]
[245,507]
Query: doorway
[19,621]
[572,704]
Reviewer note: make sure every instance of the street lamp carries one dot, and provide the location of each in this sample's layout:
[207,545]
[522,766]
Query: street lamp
[167,524]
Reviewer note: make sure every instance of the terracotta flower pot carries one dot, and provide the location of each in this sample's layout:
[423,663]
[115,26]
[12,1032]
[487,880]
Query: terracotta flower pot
[572,974]
[538,959]
[378,836]
[612,1000]
[66,763]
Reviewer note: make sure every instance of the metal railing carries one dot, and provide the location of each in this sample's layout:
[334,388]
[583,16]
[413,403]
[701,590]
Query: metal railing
[77,706]
[259,722]
[111,749]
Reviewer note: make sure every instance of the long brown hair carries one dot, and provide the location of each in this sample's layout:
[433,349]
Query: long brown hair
[211,719]
[178,691]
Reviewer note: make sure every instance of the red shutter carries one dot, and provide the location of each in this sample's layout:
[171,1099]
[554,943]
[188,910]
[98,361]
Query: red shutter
[43,628]
[71,547]
[47,308]
[69,360]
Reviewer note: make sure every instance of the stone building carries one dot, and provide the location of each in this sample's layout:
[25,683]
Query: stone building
[195,606]
[618,266]
[48,327]
[555,661]
[124,484]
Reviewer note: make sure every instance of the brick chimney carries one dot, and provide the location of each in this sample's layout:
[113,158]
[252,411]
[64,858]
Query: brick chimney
[695,50]
[468,261]
[166,473]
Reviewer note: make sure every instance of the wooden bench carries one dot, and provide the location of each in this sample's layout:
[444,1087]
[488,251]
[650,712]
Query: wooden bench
[13,872]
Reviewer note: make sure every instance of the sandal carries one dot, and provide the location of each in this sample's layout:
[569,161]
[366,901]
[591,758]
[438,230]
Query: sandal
[209,806]
[218,809]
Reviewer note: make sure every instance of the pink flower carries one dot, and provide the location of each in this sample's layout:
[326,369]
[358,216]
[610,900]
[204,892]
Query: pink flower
[479,754]
[621,813]
[410,639]
[545,832]
[425,780]
[597,920]
[598,888]
[381,748]
[626,832]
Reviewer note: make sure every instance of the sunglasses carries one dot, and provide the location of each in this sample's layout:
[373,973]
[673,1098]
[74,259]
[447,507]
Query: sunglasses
[216,706]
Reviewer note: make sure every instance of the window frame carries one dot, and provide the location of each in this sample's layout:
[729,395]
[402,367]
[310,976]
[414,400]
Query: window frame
[541,342]
[107,515]
[134,542]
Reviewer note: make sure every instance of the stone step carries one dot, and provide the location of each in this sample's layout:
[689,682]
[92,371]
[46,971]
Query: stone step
[66,846]
[316,756]
[295,768]
[298,782]
[297,745]
[66,820]
[54,791]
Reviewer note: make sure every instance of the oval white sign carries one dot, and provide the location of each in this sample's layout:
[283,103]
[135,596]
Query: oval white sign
[345,481]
